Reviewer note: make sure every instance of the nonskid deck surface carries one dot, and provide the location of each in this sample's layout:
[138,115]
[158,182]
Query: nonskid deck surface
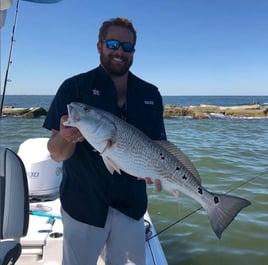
[43,242]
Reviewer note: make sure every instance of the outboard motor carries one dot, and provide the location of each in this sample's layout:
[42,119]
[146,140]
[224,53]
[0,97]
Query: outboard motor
[43,173]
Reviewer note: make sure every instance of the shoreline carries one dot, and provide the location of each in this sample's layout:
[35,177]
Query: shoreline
[202,111]
[212,111]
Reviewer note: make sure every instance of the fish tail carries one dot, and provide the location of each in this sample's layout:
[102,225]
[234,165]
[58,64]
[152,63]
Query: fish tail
[223,210]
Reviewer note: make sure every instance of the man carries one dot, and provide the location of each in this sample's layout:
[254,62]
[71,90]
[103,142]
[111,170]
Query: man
[103,212]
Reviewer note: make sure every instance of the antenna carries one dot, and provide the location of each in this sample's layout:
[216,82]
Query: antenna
[9,58]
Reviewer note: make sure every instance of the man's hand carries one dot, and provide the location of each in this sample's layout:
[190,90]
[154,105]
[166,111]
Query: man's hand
[61,144]
[156,182]
[70,134]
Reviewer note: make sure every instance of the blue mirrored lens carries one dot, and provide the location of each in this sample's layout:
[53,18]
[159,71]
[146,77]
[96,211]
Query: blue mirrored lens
[112,44]
[127,46]
[115,44]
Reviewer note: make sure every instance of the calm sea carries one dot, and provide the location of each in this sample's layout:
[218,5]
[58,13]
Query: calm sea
[231,156]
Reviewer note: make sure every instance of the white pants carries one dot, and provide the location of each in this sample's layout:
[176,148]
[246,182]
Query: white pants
[120,242]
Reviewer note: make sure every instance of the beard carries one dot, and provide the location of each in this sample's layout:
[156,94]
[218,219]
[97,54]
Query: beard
[116,68]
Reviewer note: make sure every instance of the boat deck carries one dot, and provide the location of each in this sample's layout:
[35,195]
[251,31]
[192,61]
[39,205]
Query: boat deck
[43,242]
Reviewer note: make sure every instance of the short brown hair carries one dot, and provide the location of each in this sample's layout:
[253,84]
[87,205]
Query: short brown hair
[119,21]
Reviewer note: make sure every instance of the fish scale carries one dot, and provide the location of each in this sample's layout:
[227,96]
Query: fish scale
[163,164]
[125,148]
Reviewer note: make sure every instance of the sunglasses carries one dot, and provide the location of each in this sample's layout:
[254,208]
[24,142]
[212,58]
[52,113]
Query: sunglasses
[115,44]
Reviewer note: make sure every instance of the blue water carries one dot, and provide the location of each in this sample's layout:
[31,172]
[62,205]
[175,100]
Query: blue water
[215,100]
[44,101]
[230,154]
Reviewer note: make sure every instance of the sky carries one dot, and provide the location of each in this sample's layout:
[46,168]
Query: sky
[184,47]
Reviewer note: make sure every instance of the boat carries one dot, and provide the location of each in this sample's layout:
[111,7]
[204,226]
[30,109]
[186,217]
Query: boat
[42,244]
[31,230]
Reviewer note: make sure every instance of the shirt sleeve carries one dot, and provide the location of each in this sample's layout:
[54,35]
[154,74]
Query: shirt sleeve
[58,108]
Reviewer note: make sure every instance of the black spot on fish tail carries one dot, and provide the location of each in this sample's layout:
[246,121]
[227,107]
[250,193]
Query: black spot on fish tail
[200,191]
[178,168]
[223,211]
[184,177]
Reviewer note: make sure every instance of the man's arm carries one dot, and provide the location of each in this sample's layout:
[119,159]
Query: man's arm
[61,144]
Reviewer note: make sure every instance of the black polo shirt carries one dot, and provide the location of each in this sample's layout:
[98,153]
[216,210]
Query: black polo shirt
[88,189]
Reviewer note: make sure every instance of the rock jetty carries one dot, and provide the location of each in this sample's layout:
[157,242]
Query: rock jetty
[33,112]
[212,111]
[170,111]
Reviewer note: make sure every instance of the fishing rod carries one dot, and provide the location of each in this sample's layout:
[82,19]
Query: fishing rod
[9,58]
[197,209]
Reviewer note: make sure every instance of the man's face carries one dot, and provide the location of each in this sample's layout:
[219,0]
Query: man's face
[116,61]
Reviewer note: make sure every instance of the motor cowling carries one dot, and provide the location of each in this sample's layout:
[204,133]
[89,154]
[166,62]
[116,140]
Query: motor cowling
[43,173]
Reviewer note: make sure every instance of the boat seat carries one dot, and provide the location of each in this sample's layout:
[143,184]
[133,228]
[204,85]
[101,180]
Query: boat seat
[14,205]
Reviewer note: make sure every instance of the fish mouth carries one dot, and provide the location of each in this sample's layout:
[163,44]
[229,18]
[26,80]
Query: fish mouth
[73,114]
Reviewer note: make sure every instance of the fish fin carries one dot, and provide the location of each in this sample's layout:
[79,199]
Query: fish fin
[111,165]
[223,210]
[174,192]
[109,143]
[174,150]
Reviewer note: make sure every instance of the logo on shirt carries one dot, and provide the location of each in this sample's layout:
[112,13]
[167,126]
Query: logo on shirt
[148,102]
[95,92]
